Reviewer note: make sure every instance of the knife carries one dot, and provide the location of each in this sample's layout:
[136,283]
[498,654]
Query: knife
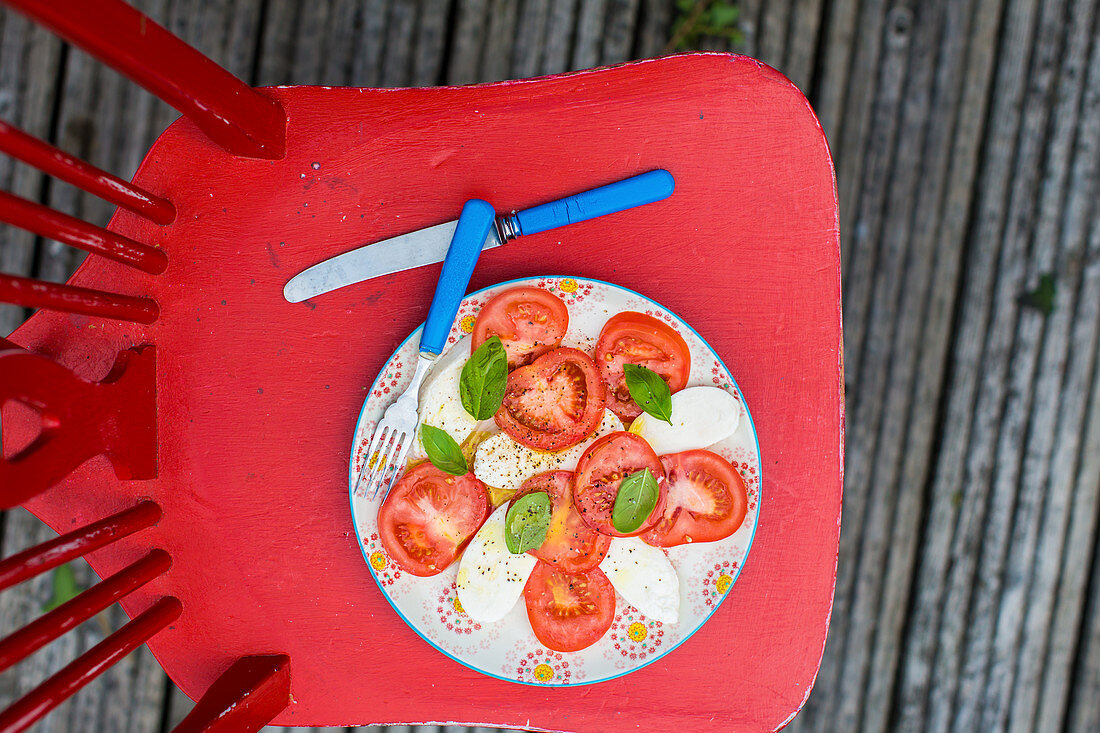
[427,246]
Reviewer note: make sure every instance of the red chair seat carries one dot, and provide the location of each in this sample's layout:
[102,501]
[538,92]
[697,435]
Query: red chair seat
[257,398]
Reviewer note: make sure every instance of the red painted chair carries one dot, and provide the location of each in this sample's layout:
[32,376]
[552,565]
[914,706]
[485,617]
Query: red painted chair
[198,425]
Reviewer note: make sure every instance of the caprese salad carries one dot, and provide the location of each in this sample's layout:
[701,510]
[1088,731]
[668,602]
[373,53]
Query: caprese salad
[563,474]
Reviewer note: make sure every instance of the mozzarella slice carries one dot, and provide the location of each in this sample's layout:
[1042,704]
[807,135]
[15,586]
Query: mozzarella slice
[644,577]
[701,417]
[505,464]
[439,403]
[490,578]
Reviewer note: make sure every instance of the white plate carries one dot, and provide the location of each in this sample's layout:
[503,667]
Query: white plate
[508,648]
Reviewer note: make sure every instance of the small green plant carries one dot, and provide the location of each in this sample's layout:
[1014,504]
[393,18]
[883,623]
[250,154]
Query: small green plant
[65,587]
[1042,297]
[697,19]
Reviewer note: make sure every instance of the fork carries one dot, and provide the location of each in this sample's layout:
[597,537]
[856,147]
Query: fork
[396,431]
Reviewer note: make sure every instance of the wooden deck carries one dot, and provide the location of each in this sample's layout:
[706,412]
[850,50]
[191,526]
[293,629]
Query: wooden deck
[966,137]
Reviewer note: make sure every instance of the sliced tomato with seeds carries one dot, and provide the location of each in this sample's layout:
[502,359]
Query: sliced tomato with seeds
[571,545]
[636,338]
[600,471]
[569,611]
[705,500]
[429,516]
[529,321]
[554,402]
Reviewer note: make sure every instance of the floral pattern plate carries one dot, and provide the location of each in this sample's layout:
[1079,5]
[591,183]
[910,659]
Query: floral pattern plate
[508,649]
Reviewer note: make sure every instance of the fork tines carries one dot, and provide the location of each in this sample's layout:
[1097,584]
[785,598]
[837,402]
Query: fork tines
[383,458]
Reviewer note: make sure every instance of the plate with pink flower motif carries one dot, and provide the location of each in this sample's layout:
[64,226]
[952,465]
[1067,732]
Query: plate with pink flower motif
[640,631]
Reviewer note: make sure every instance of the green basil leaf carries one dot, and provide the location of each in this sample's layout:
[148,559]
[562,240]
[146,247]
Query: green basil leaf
[442,450]
[526,523]
[638,494]
[481,386]
[649,391]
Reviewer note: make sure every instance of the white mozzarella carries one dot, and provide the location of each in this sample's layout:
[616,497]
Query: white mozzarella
[701,416]
[439,403]
[644,577]
[505,464]
[490,578]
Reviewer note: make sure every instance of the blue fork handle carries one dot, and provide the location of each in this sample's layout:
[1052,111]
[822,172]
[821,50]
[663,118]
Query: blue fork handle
[619,196]
[469,237]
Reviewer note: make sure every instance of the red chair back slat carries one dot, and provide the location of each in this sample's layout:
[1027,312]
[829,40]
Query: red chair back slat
[244,698]
[80,419]
[235,116]
[30,293]
[48,555]
[75,611]
[58,163]
[85,668]
[47,222]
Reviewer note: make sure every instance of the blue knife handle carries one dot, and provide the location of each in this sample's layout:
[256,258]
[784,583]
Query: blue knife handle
[469,237]
[619,196]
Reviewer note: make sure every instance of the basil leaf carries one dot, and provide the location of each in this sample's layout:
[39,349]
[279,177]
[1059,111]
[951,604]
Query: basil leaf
[649,391]
[442,450]
[481,386]
[635,501]
[526,523]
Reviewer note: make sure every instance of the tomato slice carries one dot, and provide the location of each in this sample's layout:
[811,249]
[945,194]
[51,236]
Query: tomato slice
[554,402]
[635,338]
[600,471]
[429,516]
[569,611]
[529,322]
[705,500]
[570,545]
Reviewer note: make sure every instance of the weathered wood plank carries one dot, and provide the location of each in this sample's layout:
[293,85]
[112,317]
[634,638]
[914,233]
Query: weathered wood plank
[619,31]
[1084,704]
[431,38]
[843,100]
[366,65]
[801,52]
[939,223]
[591,17]
[655,28]
[976,640]
[531,26]
[1068,692]
[1058,243]
[946,573]
[340,39]
[464,64]
[400,31]
[499,41]
[852,145]
[310,43]
[559,37]
[749,23]
[774,25]
[277,51]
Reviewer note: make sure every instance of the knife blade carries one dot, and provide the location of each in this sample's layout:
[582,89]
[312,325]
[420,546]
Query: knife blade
[428,246]
[403,252]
